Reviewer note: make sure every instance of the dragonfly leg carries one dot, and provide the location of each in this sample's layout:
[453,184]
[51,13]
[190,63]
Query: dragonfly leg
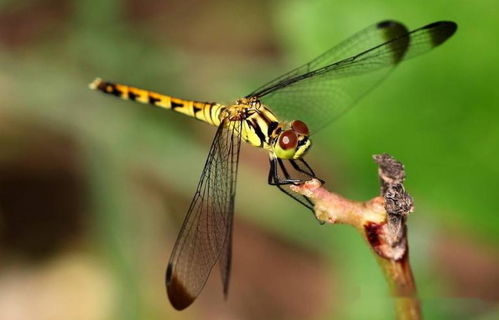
[287,178]
[306,170]
[275,180]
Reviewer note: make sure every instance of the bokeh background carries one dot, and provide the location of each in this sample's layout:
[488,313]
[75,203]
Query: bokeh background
[93,189]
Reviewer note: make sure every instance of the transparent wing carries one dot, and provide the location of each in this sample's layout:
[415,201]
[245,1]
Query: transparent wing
[207,228]
[321,90]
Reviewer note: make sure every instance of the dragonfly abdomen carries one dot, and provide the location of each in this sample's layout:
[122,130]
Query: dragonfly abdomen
[205,111]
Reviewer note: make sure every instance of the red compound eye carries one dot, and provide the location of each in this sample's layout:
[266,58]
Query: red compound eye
[288,140]
[299,127]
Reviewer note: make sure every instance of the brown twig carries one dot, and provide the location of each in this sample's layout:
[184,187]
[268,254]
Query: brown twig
[382,222]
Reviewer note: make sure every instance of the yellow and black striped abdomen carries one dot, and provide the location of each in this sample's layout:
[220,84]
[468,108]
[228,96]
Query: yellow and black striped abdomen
[204,111]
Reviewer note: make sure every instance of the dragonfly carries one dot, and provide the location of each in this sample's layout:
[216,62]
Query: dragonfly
[279,117]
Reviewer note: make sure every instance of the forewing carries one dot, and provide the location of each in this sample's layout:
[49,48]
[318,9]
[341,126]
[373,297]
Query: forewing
[207,227]
[323,89]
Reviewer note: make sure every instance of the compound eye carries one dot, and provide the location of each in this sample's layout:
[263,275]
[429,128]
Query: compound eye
[299,127]
[288,140]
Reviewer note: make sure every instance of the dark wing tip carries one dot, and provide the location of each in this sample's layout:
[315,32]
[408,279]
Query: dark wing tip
[395,32]
[387,24]
[177,293]
[391,29]
[441,31]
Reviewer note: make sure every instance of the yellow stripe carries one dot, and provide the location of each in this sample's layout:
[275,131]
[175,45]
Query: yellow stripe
[204,111]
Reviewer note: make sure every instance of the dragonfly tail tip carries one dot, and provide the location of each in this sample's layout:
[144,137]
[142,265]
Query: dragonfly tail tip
[94,85]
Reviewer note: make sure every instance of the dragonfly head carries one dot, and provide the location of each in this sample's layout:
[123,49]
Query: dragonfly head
[293,142]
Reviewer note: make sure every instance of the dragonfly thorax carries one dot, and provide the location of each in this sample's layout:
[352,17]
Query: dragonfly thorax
[261,128]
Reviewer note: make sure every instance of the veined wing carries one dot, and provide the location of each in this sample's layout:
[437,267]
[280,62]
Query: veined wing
[321,90]
[207,228]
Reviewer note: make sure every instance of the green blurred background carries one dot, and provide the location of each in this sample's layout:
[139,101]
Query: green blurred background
[93,189]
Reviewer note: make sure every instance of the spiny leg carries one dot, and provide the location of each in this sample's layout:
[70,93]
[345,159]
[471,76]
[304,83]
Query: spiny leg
[309,173]
[274,179]
[288,179]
